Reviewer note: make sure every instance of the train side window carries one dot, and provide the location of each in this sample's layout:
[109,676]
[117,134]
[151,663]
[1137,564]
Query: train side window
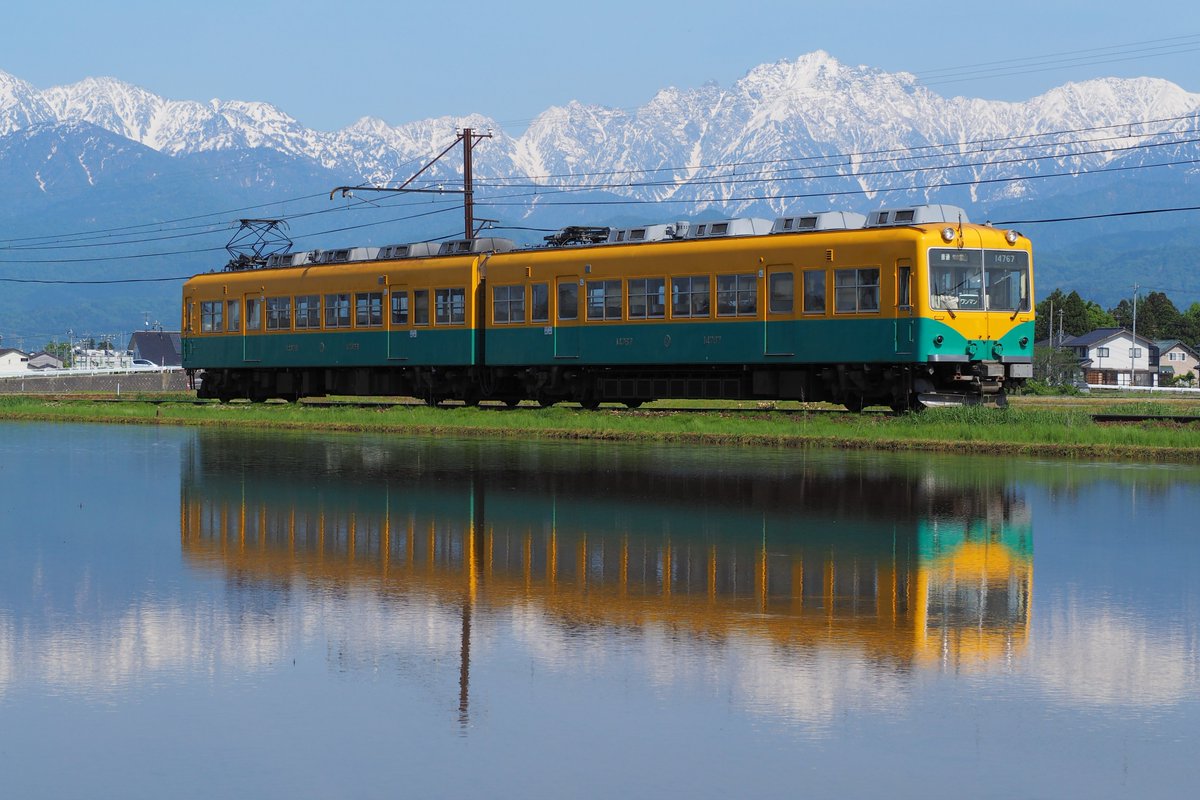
[781,292]
[450,306]
[233,316]
[253,314]
[400,308]
[368,309]
[308,311]
[737,295]
[508,304]
[814,291]
[210,317]
[420,307]
[689,296]
[540,308]
[337,311]
[647,298]
[568,300]
[603,300]
[279,313]
[856,291]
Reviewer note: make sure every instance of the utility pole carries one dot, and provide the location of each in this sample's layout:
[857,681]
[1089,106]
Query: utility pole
[469,139]
[1133,350]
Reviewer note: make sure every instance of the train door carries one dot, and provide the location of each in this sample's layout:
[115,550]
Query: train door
[905,321]
[779,336]
[397,321]
[252,331]
[566,314]
[189,313]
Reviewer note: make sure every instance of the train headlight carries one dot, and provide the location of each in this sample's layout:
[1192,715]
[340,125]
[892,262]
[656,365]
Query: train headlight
[937,340]
[1024,341]
[948,234]
[1011,237]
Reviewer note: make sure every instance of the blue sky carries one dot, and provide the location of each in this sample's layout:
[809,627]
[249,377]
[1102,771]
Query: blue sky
[327,64]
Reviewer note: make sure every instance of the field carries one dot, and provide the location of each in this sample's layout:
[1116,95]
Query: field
[1055,426]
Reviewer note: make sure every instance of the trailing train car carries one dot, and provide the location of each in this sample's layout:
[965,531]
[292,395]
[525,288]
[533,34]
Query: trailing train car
[908,307]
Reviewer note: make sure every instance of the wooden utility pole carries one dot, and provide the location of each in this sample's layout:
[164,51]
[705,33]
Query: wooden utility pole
[469,139]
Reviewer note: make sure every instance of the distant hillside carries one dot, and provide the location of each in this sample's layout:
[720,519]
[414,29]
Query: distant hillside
[797,135]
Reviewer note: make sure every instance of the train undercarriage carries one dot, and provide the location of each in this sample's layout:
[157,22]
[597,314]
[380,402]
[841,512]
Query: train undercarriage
[898,386]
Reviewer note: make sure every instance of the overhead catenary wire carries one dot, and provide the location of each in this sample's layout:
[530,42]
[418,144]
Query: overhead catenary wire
[200,250]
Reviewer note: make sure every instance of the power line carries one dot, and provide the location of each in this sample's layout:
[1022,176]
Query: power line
[198,251]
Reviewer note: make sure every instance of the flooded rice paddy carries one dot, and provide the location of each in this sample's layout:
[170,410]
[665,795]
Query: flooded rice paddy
[194,613]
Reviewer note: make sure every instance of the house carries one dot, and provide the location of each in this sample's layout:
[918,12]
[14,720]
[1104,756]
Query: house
[1176,359]
[13,360]
[1115,357]
[161,347]
[43,360]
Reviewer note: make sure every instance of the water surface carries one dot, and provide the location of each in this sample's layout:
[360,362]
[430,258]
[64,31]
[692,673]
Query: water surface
[191,613]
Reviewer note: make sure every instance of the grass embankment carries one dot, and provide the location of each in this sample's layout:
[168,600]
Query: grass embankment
[1032,430]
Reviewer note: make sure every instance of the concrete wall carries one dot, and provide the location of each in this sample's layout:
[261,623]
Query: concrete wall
[112,383]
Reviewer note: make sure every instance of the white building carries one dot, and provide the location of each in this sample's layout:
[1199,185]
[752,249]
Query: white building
[12,360]
[1114,357]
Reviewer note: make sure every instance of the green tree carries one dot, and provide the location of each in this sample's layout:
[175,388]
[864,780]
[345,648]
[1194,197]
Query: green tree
[61,351]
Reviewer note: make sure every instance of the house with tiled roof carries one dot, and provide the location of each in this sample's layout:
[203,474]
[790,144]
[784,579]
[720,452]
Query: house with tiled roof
[13,360]
[160,347]
[1176,358]
[1115,357]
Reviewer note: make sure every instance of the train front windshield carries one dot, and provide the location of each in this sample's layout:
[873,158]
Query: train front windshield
[978,280]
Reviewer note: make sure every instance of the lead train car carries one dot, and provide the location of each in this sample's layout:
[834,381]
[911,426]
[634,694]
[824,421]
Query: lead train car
[927,312]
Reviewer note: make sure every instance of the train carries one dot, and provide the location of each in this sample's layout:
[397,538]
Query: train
[904,307]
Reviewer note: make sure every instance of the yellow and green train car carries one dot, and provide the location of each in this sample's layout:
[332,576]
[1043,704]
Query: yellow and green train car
[923,310]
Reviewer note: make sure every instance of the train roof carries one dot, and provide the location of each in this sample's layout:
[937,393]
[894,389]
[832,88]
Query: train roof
[681,230]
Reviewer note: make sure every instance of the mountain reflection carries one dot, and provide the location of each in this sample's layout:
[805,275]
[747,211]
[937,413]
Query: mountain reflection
[786,558]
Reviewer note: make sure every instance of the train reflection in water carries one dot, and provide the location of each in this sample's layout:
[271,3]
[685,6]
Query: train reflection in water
[905,564]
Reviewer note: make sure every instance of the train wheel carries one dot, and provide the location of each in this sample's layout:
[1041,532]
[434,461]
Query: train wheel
[854,404]
[512,402]
[590,403]
[546,402]
[634,403]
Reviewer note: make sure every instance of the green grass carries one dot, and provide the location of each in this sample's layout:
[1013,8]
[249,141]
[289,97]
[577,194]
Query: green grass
[1067,432]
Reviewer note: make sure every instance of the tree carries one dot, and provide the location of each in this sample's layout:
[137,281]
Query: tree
[1056,366]
[61,351]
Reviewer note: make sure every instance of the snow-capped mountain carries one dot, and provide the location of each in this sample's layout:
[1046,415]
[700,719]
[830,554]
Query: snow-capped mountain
[812,126]
[797,135]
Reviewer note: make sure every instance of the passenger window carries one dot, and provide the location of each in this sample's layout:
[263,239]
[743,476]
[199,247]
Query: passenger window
[400,308]
[689,296]
[308,311]
[210,317]
[233,319]
[450,306]
[647,298]
[568,300]
[604,300]
[814,291]
[337,311]
[781,291]
[421,307]
[368,309]
[540,310]
[856,291]
[279,313]
[737,295]
[508,304]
